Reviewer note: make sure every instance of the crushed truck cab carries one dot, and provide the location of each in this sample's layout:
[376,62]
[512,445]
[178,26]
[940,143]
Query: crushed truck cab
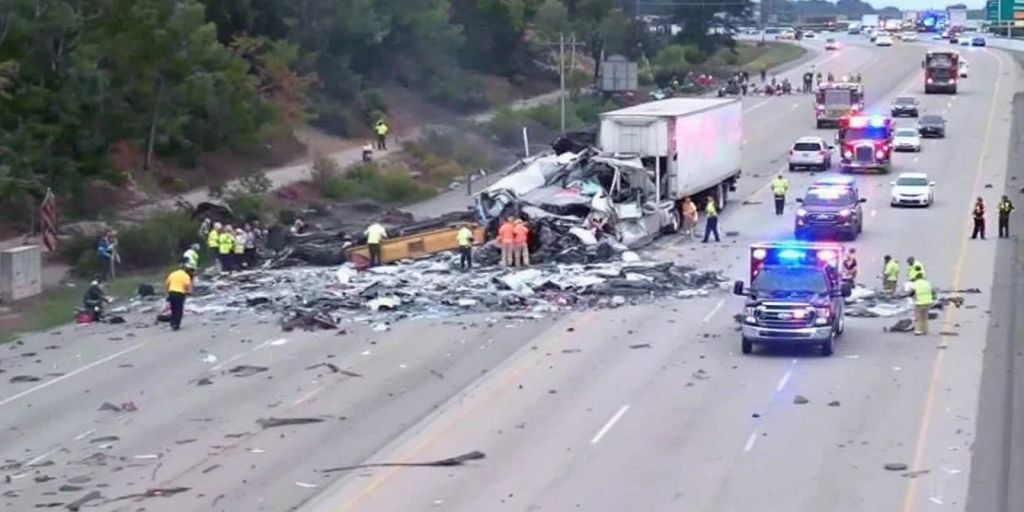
[795,295]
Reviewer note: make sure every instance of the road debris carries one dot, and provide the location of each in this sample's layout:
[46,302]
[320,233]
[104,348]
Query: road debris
[284,422]
[449,462]
[305,485]
[902,325]
[834,403]
[800,400]
[915,474]
[76,505]
[895,466]
[313,298]
[245,370]
[640,345]
[24,378]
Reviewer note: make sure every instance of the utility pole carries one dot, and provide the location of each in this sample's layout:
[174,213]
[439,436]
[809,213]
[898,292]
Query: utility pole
[561,75]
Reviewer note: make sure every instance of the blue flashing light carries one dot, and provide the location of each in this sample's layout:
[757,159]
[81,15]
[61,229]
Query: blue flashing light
[877,121]
[791,254]
[929,21]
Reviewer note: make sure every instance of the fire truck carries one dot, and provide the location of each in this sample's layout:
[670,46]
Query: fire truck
[865,143]
[795,297]
[836,100]
[941,70]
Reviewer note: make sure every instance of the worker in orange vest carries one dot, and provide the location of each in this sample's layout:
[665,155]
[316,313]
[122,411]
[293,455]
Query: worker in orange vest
[521,251]
[506,240]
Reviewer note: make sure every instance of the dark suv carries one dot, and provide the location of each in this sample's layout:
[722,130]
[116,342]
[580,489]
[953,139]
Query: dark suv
[830,211]
[905,106]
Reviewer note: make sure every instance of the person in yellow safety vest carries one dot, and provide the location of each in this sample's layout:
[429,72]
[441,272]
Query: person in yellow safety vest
[213,243]
[914,268]
[711,220]
[921,290]
[190,259]
[381,129]
[179,285]
[374,235]
[779,188]
[238,247]
[1005,209]
[465,240]
[225,247]
[890,274]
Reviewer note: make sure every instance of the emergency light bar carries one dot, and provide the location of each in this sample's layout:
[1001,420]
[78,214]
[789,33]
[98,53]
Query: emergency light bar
[862,121]
[793,256]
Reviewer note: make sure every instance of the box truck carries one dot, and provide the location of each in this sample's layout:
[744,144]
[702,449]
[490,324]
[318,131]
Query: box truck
[690,145]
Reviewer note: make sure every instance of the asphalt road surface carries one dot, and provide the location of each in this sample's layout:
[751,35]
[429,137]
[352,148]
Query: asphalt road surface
[568,415]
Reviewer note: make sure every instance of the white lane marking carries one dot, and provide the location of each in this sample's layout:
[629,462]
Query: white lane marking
[714,311]
[783,381]
[262,345]
[608,426]
[66,376]
[756,106]
[228,361]
[916,158]
[749,445]
[310,395]
[40,458]
[85,434]
[873,213]
[278,342]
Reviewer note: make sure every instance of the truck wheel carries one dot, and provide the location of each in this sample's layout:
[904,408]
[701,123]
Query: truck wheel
[827,348]
[746,346]
[842,325]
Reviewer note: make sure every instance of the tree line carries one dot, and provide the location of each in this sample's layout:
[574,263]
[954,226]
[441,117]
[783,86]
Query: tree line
[174,79]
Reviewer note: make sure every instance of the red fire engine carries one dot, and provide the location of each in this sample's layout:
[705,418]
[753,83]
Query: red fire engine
[865,143]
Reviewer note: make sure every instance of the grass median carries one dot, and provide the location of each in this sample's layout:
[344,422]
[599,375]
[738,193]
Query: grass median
[57,307]
[752,58]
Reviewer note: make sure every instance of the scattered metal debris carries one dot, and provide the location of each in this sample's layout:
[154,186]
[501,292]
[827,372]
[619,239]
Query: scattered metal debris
[24,378]
[76,505]
[449,462]
[640,345]
[800,400]
[834,403]
[283,422]
[246,370]
[895,466]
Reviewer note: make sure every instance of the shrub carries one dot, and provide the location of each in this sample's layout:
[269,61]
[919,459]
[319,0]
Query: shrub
[392,185]
[324,169]
[507,125]
[694,55]
[154,243]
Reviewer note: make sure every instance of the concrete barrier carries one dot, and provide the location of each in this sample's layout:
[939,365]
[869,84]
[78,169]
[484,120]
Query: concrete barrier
[20,272]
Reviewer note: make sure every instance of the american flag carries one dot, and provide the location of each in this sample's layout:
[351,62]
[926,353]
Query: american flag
[48,221]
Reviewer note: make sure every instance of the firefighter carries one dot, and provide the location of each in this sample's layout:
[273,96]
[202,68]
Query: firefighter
[1005,209]
[779,188]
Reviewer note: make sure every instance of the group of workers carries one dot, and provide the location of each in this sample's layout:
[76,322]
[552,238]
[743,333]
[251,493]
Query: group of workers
[917,287]
[689,217]
[232,248]
[1004,209]
[513,239]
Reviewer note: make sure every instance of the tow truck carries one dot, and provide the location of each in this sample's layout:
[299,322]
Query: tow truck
[835,100]
[795,297]
[865,143]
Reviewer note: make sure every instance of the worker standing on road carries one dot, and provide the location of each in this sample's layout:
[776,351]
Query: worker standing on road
[191,258]
[711,220]
[213,243]
[506,240]
[921,290]
[779,188]
[978,214]
[179,285]
[689,211]
[808,80]
[375,233]
[465,240]
[764,73]
[381,129]
[521,248]
[890,275]
[1005,209]
[225,247]
[914,269]
[239,249]
[850,267]
[104,254]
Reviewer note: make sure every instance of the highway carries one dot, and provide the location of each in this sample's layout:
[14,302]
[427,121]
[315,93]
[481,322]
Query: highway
[568,415]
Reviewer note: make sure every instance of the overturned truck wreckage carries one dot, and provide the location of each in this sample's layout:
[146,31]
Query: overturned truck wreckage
[627,190]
